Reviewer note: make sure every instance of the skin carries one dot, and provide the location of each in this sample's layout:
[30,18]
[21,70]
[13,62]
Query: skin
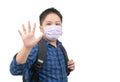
[29,39]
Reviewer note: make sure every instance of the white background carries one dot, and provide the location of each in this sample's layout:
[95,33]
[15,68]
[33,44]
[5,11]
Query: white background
[91,35]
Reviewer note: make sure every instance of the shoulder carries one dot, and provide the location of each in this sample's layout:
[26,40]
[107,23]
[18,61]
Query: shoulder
[59,42]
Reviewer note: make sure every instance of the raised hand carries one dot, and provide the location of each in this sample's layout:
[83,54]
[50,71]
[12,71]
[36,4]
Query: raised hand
[28,35]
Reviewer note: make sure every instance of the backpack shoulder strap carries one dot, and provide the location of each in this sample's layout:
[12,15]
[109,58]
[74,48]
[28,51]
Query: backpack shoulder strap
[42,51]
[64,52]
[66,59]
[40,59]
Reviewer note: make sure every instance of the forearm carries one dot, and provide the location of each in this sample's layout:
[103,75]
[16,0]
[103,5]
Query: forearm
[23,55]
[16,68]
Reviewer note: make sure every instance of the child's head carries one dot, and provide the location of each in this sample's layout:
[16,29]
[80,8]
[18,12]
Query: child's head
[51,24]
[50,16]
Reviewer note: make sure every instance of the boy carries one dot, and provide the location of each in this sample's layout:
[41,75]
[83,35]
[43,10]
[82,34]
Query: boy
[53,68]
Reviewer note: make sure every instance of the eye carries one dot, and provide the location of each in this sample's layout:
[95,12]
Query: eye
[58,24]
[48,24]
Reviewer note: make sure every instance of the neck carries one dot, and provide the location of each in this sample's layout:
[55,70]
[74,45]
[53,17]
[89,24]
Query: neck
[53,43]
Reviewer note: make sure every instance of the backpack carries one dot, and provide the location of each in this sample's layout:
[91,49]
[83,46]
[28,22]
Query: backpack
[40,59]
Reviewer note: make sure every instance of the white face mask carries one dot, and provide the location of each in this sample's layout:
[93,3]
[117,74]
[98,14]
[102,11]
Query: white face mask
[52,32]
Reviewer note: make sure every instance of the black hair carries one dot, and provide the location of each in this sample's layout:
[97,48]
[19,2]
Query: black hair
[48,11]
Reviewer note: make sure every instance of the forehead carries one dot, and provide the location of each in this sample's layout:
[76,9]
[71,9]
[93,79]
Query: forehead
[52,17]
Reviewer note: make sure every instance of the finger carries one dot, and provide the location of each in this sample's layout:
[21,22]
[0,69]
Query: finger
[29,26]
[72,67]
[24,29]
[70,62]
[34,27]
[20,33]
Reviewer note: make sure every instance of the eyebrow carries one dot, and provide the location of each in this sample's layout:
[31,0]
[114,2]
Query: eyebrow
[58,21]
[51,21]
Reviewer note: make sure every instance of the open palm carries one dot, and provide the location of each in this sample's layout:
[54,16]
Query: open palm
[28,36]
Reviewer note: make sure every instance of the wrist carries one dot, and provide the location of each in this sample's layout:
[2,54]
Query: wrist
[26,48]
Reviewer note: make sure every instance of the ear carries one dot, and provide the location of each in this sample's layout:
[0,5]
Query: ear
[41,29]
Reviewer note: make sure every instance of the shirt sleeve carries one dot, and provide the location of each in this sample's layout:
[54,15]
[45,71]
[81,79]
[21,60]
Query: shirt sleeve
[19,69]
